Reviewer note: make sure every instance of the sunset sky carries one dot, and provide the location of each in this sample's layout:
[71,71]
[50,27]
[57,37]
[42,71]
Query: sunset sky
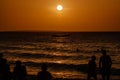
[77,15]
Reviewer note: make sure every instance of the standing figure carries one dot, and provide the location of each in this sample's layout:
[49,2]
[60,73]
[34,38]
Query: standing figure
[4,69]
[105,63]
[19,72]
[92,68]
[1,65]
[44,74]
[6,74]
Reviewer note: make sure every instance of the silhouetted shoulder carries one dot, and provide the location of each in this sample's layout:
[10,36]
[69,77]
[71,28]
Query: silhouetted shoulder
[44,75]
[105,59]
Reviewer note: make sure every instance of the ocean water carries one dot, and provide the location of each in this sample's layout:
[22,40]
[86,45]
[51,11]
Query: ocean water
[66,53]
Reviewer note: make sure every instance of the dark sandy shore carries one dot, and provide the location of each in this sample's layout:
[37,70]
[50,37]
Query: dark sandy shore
[33,77]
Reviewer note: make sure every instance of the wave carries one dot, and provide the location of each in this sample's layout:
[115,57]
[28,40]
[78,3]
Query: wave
[58,67]
[67,67]
[62,56]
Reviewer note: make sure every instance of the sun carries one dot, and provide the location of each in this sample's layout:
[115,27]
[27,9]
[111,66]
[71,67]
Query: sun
[59,7]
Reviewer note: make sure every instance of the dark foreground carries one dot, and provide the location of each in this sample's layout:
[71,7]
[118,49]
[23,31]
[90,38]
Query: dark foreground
[33,77]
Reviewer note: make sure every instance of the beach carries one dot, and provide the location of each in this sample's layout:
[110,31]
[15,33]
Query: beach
[66,53]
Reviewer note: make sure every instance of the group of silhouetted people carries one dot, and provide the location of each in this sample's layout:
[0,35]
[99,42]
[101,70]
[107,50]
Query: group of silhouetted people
[105,63]
[19,71]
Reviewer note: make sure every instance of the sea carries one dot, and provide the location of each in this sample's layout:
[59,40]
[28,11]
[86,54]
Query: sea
[66,53]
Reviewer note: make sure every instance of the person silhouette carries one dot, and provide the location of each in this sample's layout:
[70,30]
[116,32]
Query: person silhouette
[19,72]
[105,63]
[92,68]
[1,65]
[6,74]
[4,68]
[44,74]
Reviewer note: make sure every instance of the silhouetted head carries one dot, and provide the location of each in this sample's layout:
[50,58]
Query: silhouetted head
[1,55]
[44,67]
[18,63]
[93,58]
[104,52]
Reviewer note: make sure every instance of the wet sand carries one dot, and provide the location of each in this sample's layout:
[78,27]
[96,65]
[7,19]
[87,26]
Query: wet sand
[33,77]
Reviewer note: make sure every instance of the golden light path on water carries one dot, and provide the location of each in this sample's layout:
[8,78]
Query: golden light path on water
[55,60]
[58,52]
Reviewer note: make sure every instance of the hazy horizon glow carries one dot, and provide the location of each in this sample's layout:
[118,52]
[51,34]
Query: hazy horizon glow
[77,15]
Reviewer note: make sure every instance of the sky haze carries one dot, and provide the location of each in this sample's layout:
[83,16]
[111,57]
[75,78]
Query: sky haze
[77,15]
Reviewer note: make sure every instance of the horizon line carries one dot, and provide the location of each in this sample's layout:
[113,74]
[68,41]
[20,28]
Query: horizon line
[54,31]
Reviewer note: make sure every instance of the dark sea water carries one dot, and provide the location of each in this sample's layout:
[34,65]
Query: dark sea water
[66,53]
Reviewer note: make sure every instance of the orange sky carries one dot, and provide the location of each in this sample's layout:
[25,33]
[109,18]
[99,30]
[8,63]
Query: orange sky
[77,15]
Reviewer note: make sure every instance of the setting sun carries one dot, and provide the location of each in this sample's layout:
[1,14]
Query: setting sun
[60,15]
[59,7]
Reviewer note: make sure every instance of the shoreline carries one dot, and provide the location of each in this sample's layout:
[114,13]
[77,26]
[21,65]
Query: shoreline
[113,77]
